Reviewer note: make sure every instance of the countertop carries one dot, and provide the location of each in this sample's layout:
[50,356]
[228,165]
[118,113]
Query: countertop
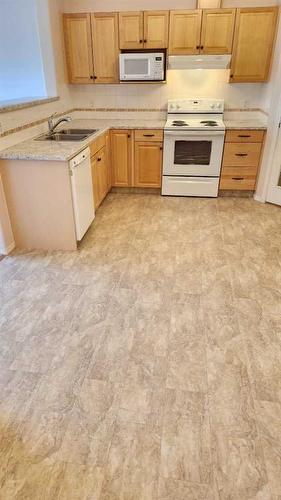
[245,123]
[64,151]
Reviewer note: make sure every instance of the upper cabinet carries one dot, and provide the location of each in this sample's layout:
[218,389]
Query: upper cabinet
[185,27]
[206,32]
[139,30]
[253,44]
[78,47]
[130,30]
[217,31]
[91,43]
[156,29]
[105,47]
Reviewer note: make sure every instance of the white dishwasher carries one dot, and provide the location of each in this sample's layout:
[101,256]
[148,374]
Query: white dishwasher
[82,192]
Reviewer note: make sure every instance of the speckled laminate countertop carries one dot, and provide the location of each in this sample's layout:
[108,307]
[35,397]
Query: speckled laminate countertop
[247,123]
[64,151]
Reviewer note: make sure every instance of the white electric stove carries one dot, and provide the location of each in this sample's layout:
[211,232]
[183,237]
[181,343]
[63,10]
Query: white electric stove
[193,147]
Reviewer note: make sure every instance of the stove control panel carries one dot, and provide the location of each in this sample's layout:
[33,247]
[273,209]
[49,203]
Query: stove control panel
[202,105]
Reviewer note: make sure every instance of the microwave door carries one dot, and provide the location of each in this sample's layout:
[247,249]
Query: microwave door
[137,68]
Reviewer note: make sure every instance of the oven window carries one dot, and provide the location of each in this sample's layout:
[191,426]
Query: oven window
[192,152]
[136,66]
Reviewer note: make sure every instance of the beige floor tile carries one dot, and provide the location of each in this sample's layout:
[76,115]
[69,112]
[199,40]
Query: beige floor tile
[146,365]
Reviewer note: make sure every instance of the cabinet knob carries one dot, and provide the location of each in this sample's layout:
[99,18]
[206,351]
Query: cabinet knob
[231,76]
[145,41]
[129,135]
[91,77]
[99,159]
[140,41]
[197,46]
[202,47]
[161,148]
[95,77]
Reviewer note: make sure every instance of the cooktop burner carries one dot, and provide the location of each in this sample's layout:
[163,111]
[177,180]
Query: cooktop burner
[179,123]
[209,123]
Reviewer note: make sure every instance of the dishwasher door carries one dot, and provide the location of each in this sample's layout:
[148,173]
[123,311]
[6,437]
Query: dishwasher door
[82,192]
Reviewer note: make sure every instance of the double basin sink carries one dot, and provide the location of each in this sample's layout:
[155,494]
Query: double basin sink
[69,134]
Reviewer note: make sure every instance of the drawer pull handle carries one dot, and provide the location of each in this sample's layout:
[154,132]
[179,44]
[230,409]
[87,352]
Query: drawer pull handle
[237,178]
[148,135]
[243,135]
[241,154]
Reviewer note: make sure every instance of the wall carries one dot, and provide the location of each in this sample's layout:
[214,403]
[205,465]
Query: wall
[20,53]
[113,5]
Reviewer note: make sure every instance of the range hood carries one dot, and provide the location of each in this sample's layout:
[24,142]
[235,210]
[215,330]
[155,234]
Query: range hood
[200,61]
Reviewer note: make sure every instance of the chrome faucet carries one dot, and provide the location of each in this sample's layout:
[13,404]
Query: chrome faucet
[52,125]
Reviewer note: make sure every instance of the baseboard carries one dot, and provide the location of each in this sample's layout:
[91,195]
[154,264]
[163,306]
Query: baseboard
[259,198]
[8,249]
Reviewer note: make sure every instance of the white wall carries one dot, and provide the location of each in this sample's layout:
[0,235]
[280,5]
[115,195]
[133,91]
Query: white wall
[20,52]
[119,5]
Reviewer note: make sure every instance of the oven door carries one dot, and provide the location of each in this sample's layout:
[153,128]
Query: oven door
[193,153]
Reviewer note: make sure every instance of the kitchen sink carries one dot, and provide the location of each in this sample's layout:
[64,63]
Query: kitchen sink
[75,131]
[74,134]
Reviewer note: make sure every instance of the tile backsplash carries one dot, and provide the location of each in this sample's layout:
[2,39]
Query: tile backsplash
[180,83]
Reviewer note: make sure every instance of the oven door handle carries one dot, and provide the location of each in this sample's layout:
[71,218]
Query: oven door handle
[193,133]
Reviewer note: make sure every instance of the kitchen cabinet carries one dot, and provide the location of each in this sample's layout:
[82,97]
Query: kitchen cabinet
[185,27]
[105,47]
[254,38]
[148,164]
[156,29]
[78,47]
[147,29]
[131,30]
[206,32]
[99,149]
[217,31]
[241,159]
[99,176]
[121,149]
[91,43]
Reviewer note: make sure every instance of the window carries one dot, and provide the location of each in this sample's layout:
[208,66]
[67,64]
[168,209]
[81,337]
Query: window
[25,43]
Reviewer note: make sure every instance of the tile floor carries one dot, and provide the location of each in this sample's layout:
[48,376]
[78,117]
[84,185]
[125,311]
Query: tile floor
[147,365]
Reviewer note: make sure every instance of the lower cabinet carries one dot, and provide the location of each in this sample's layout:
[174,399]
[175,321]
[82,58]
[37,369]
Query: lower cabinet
[101,177]
[137,158]
[241,159]
[121,149]
[148,164]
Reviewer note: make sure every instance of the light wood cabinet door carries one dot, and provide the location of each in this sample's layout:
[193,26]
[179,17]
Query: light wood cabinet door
[148,164]
[99,176]
[217,31]
[105,47]
[185,27]
[121,144]
[253,44]
[156,29]
[130,30]
[108,160]
[78,47]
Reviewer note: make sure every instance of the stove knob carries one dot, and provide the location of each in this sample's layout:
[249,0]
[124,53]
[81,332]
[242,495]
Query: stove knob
[212,106]
[171,106]
[178,106]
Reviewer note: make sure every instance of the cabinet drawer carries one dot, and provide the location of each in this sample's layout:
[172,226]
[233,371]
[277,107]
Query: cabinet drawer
[97,144]
[247,155]
[239,171]
[238,183]
[149,135]
[244,136]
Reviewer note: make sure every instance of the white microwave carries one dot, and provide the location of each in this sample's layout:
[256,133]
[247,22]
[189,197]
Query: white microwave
[142,66]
